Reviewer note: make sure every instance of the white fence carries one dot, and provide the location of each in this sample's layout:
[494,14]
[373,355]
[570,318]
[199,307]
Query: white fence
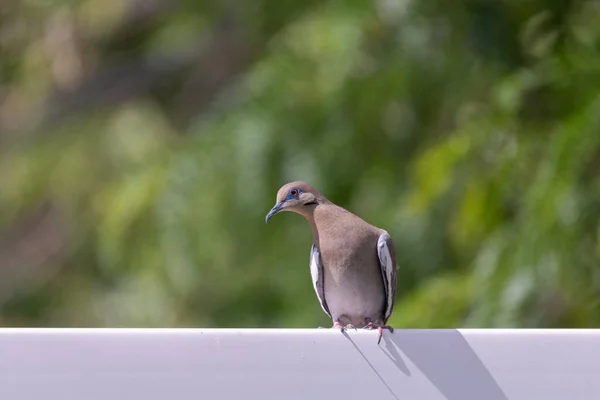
[111,364]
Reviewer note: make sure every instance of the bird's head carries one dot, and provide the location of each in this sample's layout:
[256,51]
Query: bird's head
[298,197]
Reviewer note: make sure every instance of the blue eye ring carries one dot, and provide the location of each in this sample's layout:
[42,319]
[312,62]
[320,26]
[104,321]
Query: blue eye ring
[294,193]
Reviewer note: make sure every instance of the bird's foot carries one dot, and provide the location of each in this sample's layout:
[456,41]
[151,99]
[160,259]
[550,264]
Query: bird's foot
[342,328]
[337,325]
[379,328]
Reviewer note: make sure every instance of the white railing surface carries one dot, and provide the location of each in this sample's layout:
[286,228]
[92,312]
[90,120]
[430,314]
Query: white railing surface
[197,364]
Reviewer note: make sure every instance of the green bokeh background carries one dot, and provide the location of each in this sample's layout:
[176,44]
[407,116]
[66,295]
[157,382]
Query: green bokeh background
[143,142]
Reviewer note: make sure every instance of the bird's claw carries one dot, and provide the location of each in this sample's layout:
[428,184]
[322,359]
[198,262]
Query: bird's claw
[342,328]
[379,328]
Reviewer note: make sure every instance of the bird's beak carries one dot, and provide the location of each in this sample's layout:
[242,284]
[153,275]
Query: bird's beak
[276,208]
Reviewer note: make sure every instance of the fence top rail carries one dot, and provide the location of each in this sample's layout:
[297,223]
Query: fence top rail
[444,364]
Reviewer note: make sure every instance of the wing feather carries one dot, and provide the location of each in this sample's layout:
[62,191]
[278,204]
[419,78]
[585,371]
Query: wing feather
[316,272]
[387,262]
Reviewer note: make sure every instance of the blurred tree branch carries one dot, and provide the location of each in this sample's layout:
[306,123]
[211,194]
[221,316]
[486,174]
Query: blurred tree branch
[132,78]
[198,75]
[30,251]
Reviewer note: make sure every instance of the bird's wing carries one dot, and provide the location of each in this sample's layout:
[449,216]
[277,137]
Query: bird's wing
[316,272]
[387,262]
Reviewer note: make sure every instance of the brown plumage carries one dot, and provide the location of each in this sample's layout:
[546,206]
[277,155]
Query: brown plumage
[353,263]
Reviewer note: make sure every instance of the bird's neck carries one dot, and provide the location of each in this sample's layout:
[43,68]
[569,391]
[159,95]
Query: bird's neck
[328,218]
[322,216]
[315,231]
[309,215]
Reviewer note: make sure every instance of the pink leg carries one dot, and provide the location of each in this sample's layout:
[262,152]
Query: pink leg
[338,325]
[379,328]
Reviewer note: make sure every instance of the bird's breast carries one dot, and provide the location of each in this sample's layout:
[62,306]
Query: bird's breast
[352,282]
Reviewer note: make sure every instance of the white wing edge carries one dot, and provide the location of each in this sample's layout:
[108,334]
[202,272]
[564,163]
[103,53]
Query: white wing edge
[316,272]
[388,269]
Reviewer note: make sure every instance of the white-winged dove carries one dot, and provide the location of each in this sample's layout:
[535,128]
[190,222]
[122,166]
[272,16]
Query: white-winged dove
[352,263]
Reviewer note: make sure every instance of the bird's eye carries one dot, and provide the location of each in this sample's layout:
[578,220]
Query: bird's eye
[294,192]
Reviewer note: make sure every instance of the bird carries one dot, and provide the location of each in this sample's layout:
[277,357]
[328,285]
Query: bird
[352,263]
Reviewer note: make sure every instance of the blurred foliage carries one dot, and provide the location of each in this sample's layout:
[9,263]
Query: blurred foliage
[142,143]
